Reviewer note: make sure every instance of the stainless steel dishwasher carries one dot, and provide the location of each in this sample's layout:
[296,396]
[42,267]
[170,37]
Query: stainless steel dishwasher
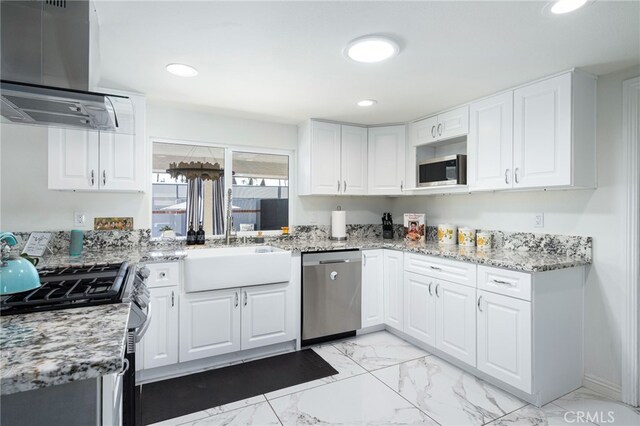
[331,295]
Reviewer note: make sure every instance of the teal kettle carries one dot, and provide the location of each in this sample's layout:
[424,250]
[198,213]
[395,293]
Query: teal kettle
[16,273]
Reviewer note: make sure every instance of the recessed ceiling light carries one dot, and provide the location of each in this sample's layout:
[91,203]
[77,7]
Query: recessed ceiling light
[367,102]
[372,49]
[560,7]
[182,70]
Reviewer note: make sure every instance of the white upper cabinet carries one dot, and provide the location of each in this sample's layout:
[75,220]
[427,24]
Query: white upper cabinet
[450,124]
[372,288]
[490,143]
[73,159]
[325,157]
[542,134]
[387,160]
[119,170]
[354,160]
[82,160]
[332,159]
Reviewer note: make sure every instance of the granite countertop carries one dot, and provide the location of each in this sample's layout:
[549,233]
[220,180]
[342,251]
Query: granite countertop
[527,261]
[100,257]
[55,347]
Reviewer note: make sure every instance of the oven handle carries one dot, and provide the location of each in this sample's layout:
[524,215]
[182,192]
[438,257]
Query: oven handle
[140,334]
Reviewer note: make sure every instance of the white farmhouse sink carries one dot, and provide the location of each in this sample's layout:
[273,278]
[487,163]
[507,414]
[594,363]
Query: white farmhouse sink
[227,267]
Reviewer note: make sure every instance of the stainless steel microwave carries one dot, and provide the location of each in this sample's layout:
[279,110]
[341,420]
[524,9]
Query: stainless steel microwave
[449,170]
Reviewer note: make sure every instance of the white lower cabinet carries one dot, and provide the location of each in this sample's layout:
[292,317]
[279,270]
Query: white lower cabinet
[372,288]
[420,307]
[223,321]
[393,289]
[209,324]
[456,320]
[161,339]
[504,339]
[267,315]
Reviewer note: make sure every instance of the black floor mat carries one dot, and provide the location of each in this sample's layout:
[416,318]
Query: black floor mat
[171,398]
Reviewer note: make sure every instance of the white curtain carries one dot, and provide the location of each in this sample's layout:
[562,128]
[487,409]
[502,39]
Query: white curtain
[195,202]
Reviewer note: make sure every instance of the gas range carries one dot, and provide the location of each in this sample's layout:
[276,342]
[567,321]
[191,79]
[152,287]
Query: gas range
[74,287]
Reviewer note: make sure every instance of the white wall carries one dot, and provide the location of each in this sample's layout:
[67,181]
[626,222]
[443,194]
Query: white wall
[598,213]
[27,204]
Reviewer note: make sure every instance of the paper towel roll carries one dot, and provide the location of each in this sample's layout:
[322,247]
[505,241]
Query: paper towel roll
[338,224]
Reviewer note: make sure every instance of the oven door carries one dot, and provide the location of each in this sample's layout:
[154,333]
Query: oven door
[439,171]
[139,323]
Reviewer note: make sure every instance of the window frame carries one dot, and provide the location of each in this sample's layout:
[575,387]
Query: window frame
[228,163]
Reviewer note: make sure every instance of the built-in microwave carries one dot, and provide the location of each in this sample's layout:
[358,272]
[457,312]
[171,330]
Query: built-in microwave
[449,170]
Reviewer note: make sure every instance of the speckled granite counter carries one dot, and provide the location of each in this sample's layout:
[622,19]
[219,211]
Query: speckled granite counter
[99,257]
[56,347]
[528,261]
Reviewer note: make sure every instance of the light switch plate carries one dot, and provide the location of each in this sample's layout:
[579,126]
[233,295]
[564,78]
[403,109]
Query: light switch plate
[79,219]
[538,221]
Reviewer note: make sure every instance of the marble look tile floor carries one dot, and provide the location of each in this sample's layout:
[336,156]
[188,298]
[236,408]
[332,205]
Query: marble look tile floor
[383,380]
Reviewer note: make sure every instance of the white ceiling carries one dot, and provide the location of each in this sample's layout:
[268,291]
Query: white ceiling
[283,61]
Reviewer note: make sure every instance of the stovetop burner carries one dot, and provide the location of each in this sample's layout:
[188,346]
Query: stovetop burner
[70,287]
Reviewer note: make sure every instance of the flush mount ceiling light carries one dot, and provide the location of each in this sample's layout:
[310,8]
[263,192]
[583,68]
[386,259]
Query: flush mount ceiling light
[372,49]
[560,7]
[182,70]
[367,102]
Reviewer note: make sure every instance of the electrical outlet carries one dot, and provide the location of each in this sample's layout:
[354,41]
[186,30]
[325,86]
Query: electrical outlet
[538,221]
[79,219]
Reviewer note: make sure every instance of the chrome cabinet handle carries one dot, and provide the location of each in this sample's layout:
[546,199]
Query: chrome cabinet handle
[430,284]
[344,188]
[440,129]
[506,176]
[502,282]
[437,287]
[104,177]
[245,298]
[236,299]
[172,298]
[435,268]
[515,175]
[433,131]
[364,259]
[479,300]
[401,185]
[93,180]
[125,367]
[338,185]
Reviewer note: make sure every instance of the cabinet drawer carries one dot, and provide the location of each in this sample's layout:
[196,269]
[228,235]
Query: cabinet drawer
[163,274]
[446,269]
[502,281]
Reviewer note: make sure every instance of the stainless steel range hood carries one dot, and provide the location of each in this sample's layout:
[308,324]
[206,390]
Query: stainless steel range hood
[46,68]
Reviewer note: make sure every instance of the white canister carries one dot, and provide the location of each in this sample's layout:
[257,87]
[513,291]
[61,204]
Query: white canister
[447,234]
[466,237]
[484,240]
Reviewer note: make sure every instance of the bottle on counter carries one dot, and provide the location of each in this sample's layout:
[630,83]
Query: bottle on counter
[200,235]
[191,235]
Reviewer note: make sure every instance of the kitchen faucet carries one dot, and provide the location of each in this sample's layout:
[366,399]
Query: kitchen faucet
[229,223]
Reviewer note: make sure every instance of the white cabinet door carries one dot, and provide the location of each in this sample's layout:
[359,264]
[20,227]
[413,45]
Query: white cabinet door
[121,162]
[453,123]
[393,289]
[490,143]
[372,288]
[160,345]
[354,160]
[420,307]
[542,133]
[504,339]
[386,160]
[209,324]
[325,158]
[267,315]
[73,159]
[456,320]
[424,131]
